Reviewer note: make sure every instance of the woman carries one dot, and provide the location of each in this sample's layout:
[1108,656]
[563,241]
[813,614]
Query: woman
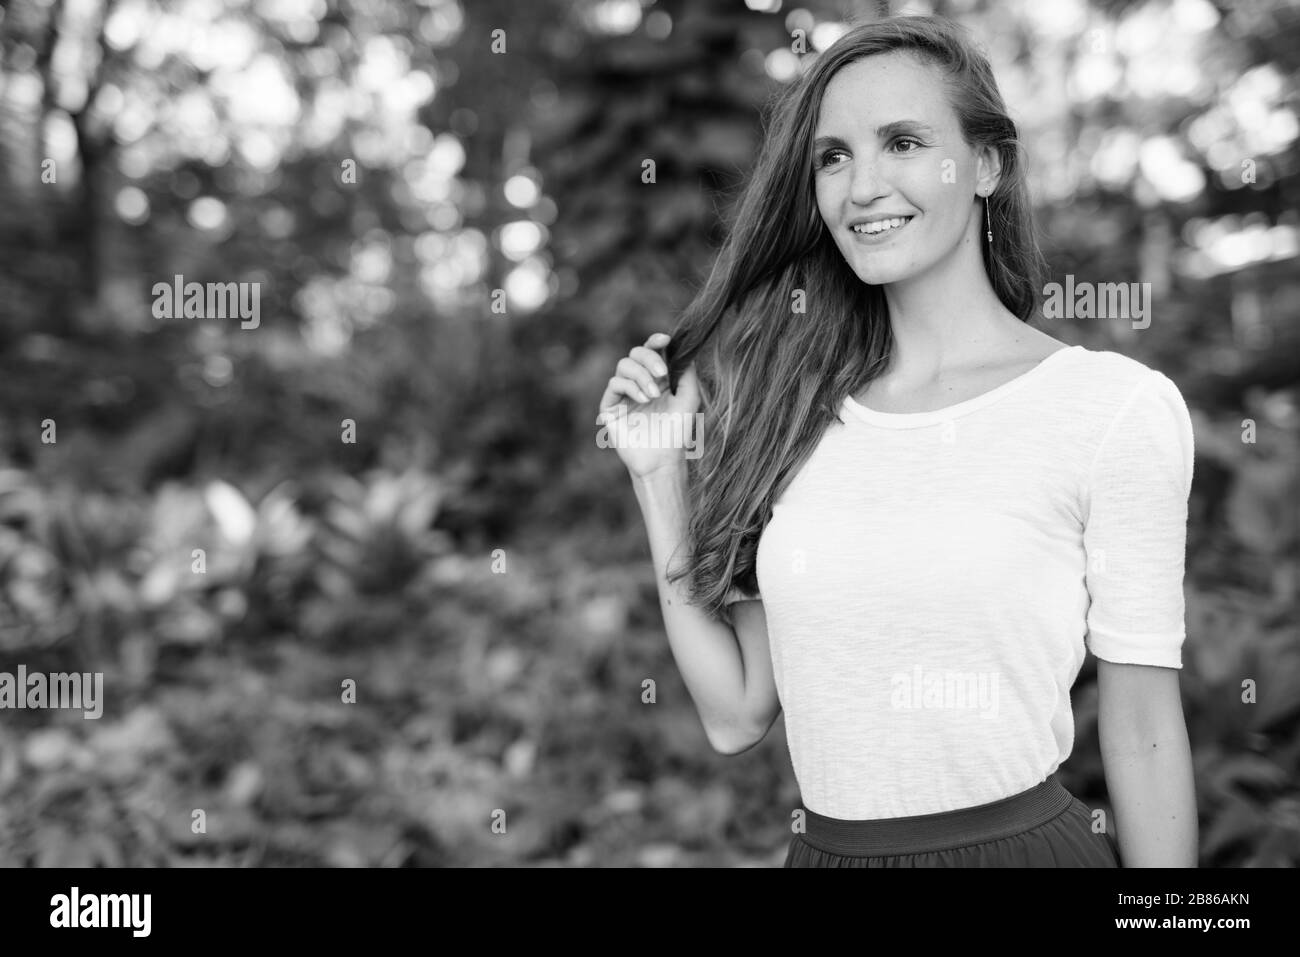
[913,512]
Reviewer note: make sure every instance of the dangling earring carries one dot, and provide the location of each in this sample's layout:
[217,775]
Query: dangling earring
[987,219]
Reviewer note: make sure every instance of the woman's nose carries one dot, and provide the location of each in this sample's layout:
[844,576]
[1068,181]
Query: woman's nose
[865,184]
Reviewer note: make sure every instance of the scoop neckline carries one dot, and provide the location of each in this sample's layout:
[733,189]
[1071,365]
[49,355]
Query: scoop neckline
[912,420]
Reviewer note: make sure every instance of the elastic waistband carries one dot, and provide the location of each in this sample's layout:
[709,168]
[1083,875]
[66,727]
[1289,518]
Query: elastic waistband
[935,832]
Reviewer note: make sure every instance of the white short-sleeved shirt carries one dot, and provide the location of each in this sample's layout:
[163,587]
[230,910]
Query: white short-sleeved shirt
[930,580]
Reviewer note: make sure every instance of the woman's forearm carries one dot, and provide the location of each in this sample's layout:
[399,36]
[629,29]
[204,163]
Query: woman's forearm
[1149,777]
[706,651]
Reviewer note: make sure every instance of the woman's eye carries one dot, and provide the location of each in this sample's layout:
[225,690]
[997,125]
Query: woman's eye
[824,159]
[827,157]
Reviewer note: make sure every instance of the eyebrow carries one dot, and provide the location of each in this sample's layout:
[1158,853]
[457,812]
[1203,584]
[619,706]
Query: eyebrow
[882,132]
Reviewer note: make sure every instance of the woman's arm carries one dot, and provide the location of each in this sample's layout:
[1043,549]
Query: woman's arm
[727,672]
[1148,764]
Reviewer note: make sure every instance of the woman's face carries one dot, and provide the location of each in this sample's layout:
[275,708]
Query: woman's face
[888,145]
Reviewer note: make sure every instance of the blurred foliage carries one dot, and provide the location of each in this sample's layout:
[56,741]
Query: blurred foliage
[211,139]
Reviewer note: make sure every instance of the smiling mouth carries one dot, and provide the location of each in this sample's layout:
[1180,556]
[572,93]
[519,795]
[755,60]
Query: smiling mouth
[882,227]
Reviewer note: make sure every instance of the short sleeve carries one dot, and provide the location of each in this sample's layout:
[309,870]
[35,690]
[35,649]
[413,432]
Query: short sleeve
[1135,530]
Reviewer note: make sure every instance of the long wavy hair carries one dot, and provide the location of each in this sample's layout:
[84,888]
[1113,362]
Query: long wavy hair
[775,376]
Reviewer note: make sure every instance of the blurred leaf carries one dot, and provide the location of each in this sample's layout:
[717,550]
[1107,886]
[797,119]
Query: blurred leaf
[1249,769]
[1262,506]
[236,519]
[1238,822]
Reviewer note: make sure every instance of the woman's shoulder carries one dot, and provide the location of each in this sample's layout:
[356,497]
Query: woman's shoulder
[1131,402]
[1099,391]
[1110,370]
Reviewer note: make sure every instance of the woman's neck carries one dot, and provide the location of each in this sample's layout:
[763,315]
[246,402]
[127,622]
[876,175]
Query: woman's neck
[946,322]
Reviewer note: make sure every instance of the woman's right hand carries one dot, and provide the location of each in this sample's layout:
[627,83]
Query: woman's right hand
[639,386]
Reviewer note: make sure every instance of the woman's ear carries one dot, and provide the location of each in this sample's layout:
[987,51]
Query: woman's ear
[988,170]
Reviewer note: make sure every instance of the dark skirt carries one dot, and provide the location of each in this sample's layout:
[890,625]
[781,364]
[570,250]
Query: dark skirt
[1046,826]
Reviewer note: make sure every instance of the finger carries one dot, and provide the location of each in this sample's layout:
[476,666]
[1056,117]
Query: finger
[651,360]
[609,401]
[629,368]
[608,398]
[658,343]
[627,387]
[620,392]
[610,415]
[616,389]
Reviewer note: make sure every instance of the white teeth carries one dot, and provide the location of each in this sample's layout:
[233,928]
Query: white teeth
[881,225]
